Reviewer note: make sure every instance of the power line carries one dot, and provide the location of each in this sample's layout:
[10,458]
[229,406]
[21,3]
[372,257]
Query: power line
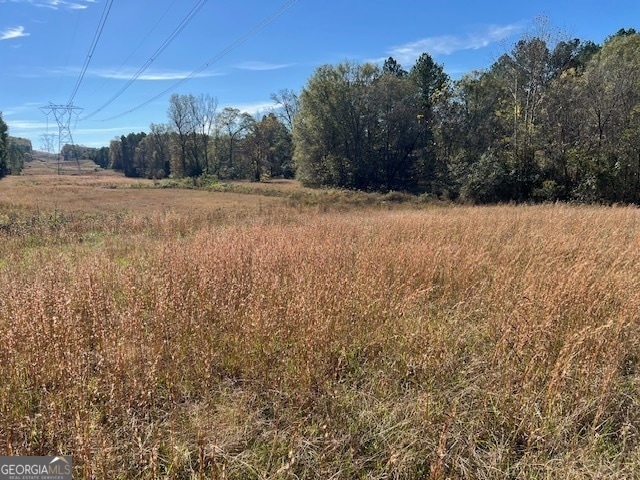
[92,48]
[133,51]
[239,41]
[62,115]
[190,16]
[73,40]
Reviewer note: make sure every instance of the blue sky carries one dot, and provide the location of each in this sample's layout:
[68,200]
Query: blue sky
[44,45]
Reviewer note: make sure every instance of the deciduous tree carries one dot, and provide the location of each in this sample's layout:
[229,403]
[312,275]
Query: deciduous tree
[233,124]
[268,147]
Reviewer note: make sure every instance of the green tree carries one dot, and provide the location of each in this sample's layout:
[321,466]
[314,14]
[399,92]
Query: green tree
[433,85]
[330,130]
[4,147]
[430,79]
[392,67]
[359,127]
[473,125]
[564,164]
[129,162]
[396,132]
[101,156]
[20,150]
[268,147]
[611,98]
[143,157]
[489,180]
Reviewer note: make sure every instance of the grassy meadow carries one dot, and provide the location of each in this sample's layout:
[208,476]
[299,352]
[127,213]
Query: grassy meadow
[268,331]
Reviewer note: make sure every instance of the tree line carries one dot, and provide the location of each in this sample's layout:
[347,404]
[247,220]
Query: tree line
[14,151]
[199,139]
[548,120]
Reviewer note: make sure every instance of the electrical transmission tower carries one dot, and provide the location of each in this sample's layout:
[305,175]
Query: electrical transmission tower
[47,139]
[47,142]
[63,115]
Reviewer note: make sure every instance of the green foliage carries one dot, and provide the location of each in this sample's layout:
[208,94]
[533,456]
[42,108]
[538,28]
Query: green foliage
[430,78]
[489,180]
[392,67]
[19,151]
[101,157]
[360,127]
[268,147]
[4,147]
[132,163]
[549,120]
[549,191]
[561,118]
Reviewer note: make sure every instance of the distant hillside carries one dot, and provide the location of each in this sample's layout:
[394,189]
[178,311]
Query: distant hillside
[44,163]
[23,143]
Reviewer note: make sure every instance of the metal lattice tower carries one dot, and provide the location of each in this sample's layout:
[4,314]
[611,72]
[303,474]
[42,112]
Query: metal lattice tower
[47,138]
[63,115]
[47,142]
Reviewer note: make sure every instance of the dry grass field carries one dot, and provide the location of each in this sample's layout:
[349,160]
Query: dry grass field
[175,333]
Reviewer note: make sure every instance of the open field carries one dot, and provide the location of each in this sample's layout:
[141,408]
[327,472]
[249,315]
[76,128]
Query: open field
[113,194]
[175,333]
[43,163]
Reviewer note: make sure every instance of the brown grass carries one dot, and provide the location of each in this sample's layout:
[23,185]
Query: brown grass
[116,193]
[443,342]
[50,164]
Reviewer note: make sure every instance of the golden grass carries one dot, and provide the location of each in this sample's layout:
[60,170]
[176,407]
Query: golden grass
[48,164]
[116,193]
[446,342]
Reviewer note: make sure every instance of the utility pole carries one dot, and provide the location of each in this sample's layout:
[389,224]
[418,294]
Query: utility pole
[63,115]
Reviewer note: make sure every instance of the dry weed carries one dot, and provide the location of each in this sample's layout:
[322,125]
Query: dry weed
[449,342]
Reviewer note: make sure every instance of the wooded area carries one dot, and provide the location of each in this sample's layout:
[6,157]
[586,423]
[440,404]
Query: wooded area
[13,151]
[549,120]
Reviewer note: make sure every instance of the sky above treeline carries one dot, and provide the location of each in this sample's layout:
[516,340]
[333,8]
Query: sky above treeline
[118,62]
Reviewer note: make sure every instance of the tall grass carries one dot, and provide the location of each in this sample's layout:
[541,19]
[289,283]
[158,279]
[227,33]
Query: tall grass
[458,342]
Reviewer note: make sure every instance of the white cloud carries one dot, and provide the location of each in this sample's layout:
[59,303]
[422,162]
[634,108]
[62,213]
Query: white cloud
[254,108]
[15,32]
[128,74]
[448,44]
[119,74]
[26,125]
[86,131]
[260,66]
[25,107]
[34,128]
[54,4]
